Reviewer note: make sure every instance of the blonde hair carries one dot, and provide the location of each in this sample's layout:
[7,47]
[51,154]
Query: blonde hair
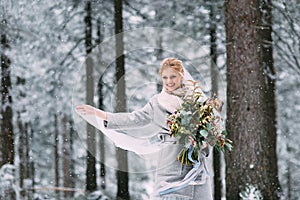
[173,63]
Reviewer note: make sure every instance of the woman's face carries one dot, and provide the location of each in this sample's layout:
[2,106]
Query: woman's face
[171,79]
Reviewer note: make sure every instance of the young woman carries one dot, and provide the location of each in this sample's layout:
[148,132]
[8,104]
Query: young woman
[174,180]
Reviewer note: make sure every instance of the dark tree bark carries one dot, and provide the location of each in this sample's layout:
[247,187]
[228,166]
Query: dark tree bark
[251,119]
[66,157]
[159,56]
[101,138]
[289,182]
[214,92]
[23,148]
[72,167]
[7,134]
[56,155]
[28,159]
[22,156]
[91,181]
[122,172]
[30,164]
[100,106]
[159,51]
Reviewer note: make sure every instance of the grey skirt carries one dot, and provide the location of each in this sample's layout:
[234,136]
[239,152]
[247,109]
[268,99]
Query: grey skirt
[175,172]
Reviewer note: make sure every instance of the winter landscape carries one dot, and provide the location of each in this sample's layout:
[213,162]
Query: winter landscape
[58,54]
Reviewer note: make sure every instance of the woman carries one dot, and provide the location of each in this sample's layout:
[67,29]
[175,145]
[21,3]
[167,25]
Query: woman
[173,180]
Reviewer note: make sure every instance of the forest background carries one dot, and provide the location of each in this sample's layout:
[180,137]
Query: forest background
[44,57]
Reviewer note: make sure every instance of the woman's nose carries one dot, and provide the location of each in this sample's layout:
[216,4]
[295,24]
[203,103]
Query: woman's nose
[169,80]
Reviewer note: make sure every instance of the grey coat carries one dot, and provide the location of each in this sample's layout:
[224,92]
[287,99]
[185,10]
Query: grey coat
[150,122]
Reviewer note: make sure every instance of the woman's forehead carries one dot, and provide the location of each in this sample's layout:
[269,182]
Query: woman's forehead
[169,70]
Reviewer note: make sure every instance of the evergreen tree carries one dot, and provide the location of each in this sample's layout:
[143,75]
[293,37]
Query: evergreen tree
[251,110]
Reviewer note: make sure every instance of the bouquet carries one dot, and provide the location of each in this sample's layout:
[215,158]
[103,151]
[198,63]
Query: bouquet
[199,121]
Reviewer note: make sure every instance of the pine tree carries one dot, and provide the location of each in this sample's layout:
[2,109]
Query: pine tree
[251,119]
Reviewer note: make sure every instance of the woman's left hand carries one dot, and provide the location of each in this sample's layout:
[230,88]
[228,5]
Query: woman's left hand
[194,143]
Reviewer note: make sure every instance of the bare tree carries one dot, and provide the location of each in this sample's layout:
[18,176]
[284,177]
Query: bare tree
[22,155]
[66,157]
[100,106]
[91,181]
[56,155]
[122,172]
[214,91]
[6,134]
[7,150]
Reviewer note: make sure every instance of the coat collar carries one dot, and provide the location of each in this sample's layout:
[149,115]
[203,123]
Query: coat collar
[168,101]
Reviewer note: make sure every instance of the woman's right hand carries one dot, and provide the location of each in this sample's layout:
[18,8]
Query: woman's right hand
[90,110]
[85,109]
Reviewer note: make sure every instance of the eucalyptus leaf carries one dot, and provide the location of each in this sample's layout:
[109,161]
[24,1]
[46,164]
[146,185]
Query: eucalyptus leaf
[204,133]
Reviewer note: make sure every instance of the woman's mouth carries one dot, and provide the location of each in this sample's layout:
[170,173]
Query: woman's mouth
[170,85]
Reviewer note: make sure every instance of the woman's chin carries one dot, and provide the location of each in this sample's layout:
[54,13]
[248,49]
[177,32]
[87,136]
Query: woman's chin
[170,89]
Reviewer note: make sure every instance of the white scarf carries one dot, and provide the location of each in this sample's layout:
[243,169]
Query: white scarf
[168,101]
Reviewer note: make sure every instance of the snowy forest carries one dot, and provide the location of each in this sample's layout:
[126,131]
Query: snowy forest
[58,54]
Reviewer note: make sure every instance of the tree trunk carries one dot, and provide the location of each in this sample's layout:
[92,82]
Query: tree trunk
[101,139]
[30,164]
[22,156]
[251,121]
[91,181]
[7,134]
[91,184]
[28,158]
[159,56]
[159,51]
[56,155]
[289,182]
[72,167]
[122,172]
[100,106]
[6,122]
[214,92]
[66,157]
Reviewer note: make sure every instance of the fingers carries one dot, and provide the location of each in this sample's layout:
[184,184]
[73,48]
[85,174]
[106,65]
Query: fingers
[192,141]
[204,145]
[85,109]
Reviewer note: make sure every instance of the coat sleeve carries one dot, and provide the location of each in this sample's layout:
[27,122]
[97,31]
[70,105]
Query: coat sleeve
[205,151]
[135,119]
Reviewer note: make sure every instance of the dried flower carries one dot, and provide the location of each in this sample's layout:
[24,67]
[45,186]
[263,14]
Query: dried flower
[200,121]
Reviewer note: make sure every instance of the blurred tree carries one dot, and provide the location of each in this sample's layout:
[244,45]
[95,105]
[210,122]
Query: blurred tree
[22,154]
[287,63]
[56,155]
[7,150]
[214,92]
[91,181]
[101,106]
[122,171]
[66,157]
[7,133]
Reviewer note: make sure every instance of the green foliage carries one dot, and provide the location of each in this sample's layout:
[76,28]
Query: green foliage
[200,121]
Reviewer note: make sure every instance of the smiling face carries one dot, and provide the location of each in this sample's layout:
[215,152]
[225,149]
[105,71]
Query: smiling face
[171,79]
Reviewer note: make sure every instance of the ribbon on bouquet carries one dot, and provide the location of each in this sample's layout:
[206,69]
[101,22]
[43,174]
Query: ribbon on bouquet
[199,168]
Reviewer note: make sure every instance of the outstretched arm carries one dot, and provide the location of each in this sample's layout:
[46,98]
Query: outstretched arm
[135,119]
[90,110]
